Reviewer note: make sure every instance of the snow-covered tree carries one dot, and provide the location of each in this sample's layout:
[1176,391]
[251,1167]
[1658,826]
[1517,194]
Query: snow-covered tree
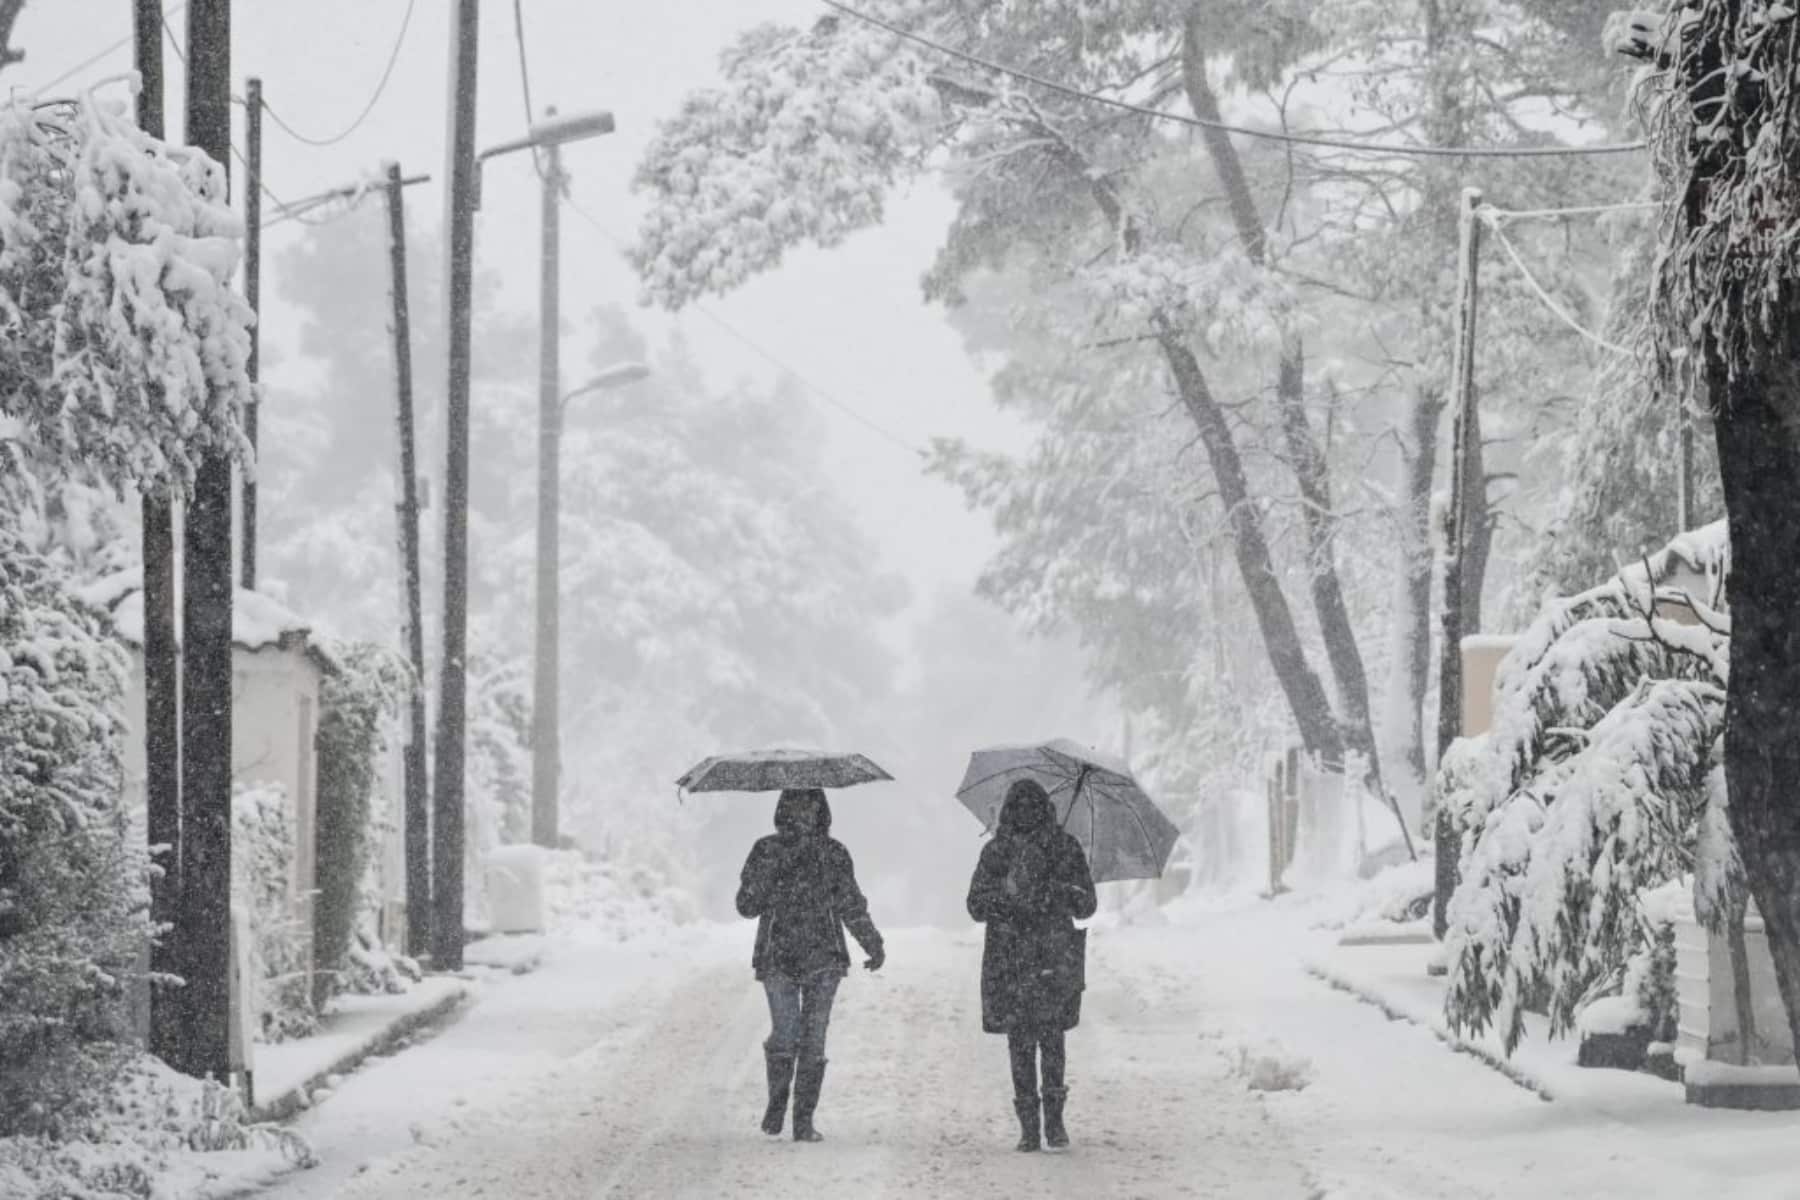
[74,896]
[1594,785]
[1727,326]
[1238,308]
[124,344]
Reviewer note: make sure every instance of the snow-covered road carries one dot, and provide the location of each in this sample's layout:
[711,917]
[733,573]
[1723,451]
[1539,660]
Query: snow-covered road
[575,1083]
[636,1071]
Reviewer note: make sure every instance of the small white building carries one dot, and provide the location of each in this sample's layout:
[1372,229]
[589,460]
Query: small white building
[277,671]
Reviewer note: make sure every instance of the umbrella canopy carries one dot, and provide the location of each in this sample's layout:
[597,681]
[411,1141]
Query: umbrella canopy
[1123,832]
[775,770]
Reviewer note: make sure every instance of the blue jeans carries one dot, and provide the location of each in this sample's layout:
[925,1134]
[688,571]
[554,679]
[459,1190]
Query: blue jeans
[799,1013]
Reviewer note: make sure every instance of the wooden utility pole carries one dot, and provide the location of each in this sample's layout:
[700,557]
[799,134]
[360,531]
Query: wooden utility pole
[546,723]
[1463,426]
[253,296]
[162,658]
[447,795]
[206,648]
[1684,485]
[418,808]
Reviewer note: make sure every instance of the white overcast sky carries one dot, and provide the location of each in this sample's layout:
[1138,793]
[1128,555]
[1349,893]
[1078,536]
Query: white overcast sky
[850,320]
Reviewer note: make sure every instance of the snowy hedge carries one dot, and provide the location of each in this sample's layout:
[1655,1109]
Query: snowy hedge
[1598,781]
[262,866]
[74,895]
[356,707]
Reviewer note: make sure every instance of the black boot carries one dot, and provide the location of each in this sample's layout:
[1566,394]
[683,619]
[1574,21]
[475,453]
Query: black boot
[1021,1053]
[1027,1108]
[809,1077]
[781,1077]
[1055,1136]
[1054,1055]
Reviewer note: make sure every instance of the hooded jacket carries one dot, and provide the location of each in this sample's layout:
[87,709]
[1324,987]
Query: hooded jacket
[800,885]
[1028,884]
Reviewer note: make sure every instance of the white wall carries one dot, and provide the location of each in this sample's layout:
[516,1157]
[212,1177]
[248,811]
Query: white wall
[275,715]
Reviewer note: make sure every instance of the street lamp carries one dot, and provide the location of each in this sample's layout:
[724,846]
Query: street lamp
[464,198]
[546,696]
[549,135]
[617,375]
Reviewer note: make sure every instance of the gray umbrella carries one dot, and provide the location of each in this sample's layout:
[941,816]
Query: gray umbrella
[774,770]
[1123,832]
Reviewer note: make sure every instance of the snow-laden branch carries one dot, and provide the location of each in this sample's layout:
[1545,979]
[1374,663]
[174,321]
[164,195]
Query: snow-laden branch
[802,145]
[124,345]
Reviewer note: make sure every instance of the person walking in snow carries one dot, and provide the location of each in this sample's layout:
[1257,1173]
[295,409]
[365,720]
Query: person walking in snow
[800,885]
[1032,878]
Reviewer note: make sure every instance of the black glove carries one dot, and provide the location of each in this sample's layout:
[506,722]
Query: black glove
[877,956]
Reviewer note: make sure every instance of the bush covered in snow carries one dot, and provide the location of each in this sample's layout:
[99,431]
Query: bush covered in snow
[1596,783]
[356,708]
[74,895]
[150,1138]
[262,864]
[124,346]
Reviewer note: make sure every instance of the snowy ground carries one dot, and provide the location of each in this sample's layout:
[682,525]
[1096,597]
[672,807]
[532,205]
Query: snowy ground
[634,1071]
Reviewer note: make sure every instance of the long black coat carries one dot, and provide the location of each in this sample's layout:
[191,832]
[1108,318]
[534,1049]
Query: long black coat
[800,884]
[1033,963]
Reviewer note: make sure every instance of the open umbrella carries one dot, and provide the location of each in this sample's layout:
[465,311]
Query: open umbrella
[1123,832]
[774,770]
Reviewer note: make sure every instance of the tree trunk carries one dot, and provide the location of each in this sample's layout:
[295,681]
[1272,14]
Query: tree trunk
[1319,730]
[1312,470]
[1403,712]
[1759,459]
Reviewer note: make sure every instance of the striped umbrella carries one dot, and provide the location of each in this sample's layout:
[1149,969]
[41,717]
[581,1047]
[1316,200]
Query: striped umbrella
[1122,831]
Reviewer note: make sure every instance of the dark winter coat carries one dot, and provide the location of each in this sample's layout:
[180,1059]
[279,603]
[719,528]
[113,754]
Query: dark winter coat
[800,884]
[1033,965]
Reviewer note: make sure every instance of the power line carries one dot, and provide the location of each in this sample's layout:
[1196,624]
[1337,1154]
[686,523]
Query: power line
[1298,139]
[387,73]
[525,79]
[766,354]
[84,64]
[1543,294]
[255,177]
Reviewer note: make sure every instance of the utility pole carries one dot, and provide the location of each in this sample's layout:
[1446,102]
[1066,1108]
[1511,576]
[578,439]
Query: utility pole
[418,810]
[447,796]
[1684,486]
[206,647]
[162,659]
[546,719]
[1450,681]
[253,296]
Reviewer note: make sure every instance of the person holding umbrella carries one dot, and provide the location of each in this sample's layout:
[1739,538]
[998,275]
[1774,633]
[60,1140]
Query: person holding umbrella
[1064,817]
[1029,883]
[800,885]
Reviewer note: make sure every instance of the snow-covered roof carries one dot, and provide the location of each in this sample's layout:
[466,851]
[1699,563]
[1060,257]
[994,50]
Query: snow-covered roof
[258,621]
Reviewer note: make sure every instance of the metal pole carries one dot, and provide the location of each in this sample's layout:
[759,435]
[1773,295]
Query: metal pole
[162,658]
[546,719]
[447,797]
[1450,681]
[418,799]
[206,642]
[253,296]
